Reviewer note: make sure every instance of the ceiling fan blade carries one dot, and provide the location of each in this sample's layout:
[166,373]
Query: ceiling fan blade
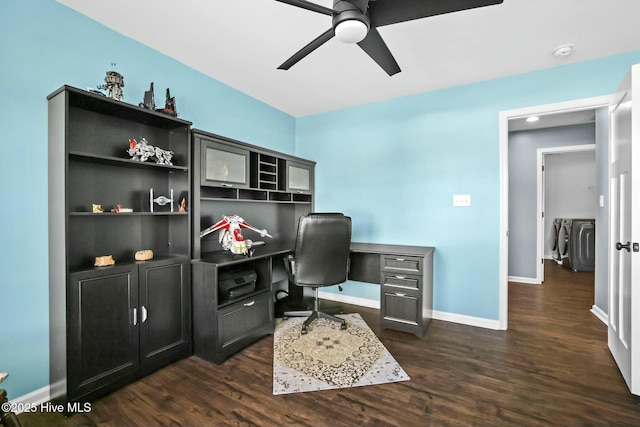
[313,45]
[309,6]
[387,12]
[377,49]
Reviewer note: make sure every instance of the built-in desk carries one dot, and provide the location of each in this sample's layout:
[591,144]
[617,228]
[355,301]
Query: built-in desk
[223,326]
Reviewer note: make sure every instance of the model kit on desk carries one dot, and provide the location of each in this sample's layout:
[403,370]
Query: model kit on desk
[230,235]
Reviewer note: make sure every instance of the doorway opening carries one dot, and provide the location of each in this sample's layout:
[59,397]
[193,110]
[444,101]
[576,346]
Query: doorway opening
[505,117]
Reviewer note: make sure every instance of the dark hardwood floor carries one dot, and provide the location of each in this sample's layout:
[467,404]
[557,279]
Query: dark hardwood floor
[551,367]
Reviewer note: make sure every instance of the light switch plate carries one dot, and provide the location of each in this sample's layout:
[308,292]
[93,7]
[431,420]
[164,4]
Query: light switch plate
[462,200]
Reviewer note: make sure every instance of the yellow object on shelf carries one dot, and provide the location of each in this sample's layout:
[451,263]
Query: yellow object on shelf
[144,255]
[102,261]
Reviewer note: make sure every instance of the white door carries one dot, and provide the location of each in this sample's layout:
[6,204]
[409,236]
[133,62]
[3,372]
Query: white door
[624,265]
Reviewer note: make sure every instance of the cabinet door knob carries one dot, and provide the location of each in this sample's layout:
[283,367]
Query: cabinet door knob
[249,304]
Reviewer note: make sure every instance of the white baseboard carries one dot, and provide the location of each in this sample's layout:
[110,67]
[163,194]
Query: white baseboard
[528,280]
[438,315]
[604,317]
[35,398]
[479,322]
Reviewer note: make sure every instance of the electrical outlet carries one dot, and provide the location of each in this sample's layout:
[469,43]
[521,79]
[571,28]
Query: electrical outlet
[462,200]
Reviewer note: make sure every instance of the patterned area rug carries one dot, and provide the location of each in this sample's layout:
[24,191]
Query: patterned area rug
[327,357]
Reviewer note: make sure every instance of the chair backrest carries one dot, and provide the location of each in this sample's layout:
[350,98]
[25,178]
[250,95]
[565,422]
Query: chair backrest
[322,249]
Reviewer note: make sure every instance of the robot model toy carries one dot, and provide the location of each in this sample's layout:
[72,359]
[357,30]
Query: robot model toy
[230,235]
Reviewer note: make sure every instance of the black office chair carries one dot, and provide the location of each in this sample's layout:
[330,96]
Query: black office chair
[321,258]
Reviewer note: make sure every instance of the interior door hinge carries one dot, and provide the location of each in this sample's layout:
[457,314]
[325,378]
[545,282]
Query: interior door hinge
[542,214]
[542,168]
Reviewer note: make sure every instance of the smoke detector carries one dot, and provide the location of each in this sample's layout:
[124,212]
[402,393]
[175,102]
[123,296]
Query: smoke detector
[563,50]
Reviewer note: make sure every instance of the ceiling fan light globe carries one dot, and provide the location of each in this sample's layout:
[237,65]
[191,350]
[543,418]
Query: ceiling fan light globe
[351,31]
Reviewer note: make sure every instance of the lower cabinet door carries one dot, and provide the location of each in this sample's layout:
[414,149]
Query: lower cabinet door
[244,321]
[102,327]
[164,309]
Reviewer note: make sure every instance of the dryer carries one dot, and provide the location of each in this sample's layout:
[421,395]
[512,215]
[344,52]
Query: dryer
[580,244]
[563,240]
[554,242]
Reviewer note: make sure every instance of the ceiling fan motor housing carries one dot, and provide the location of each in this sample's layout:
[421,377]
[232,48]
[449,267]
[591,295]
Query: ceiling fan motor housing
[347,11]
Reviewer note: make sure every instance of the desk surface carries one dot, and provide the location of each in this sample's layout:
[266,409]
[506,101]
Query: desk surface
[269,249]
[276,248]
[377,248]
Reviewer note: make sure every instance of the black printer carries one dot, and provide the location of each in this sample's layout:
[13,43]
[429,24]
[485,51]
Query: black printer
[235,283]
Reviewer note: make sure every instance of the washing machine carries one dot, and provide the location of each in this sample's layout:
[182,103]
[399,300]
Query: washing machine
[554,242]
[564,231]
[579,246]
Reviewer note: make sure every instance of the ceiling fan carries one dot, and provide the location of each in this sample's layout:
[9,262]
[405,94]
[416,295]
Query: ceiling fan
[356,21]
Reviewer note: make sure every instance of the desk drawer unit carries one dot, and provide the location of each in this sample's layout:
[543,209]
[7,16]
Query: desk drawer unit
[406,283]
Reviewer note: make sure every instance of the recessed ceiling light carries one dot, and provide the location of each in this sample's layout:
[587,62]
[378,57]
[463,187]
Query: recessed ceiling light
[532,119]
[563,50]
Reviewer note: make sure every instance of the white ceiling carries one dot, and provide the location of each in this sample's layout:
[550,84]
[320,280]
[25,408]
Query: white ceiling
[242,42]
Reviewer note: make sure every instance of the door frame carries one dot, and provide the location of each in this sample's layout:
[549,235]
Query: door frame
[541,222]
[503,140]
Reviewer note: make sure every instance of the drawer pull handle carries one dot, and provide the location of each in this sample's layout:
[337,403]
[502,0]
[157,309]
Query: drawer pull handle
[400,277]
[249,304]
[401,294]
[226,185]
[400,259]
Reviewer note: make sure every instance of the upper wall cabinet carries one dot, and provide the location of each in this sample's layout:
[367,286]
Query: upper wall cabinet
[268,189]
[299,178]
[233,170]
[223,165]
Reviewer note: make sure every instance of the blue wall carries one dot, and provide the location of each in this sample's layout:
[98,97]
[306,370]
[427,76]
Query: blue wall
[44,45]
[393,166]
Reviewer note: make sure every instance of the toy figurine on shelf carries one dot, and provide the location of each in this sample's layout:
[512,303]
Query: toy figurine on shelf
[230,235]
[169,106]
[160,200]
[114,82]
[143,151]
[97,208]
[121,209]
[183,205]
[149,99]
